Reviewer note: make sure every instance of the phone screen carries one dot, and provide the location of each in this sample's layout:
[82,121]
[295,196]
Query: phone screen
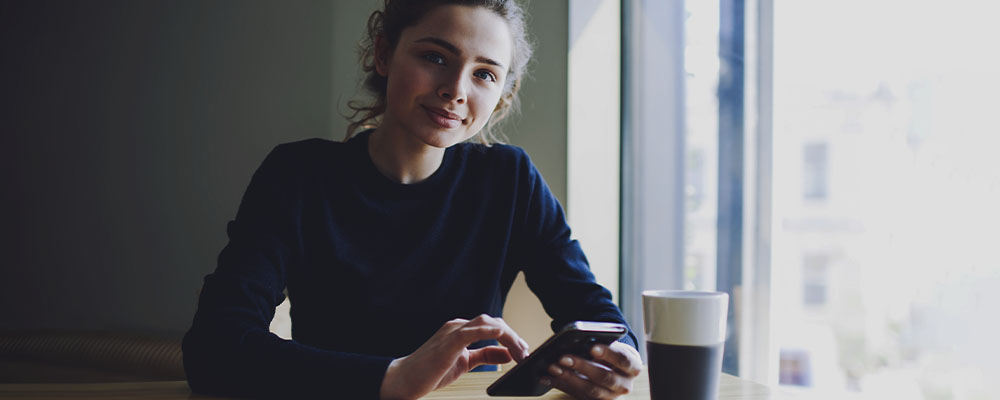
[576,338]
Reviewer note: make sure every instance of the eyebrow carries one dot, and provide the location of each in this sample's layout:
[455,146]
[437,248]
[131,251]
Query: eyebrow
[455,50]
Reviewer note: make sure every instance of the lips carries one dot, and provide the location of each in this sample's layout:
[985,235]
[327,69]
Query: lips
[443,117]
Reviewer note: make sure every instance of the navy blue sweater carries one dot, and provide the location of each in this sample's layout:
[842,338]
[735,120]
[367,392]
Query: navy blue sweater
[373,268]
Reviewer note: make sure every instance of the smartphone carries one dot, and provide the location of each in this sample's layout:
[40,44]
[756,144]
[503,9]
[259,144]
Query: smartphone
[576,338]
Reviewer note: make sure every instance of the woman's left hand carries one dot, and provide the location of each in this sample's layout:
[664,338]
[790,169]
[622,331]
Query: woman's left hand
[608,375]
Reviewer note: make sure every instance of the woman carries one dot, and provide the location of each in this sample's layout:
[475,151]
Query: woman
[399,245]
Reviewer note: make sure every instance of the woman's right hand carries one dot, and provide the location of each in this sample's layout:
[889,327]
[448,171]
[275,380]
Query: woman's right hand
[445,357]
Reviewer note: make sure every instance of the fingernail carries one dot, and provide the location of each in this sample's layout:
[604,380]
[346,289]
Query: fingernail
[555,370]
[597,351]
[566,361]
[545,381]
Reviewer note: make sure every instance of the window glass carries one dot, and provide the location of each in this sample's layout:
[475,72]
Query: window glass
[885,194]
[701,63]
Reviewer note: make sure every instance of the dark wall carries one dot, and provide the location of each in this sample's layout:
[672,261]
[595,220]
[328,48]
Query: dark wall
[131,128]
[129,132]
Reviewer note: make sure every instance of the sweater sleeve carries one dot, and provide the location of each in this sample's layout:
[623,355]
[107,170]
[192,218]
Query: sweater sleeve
[229,349]
[554,265]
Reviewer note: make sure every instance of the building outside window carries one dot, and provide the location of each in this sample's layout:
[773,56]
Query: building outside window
[869,186]
[879,256]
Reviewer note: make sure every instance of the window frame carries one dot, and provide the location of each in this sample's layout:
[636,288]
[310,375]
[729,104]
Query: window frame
[653,173]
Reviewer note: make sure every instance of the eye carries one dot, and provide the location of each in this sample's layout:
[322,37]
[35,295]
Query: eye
[485,75]
[434,58]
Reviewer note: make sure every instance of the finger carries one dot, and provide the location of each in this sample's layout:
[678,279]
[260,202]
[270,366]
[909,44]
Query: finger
[598,374]
[510,339]
[466,335]
[574,384]
[618,358]
[489,355]
[452,325]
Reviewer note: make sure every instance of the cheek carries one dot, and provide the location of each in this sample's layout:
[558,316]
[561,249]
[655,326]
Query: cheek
[485,106]
[403,88]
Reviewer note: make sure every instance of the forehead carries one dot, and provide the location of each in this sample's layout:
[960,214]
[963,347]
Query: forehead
[476,31]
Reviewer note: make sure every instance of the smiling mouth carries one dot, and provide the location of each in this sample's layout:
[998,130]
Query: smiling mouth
[443,118]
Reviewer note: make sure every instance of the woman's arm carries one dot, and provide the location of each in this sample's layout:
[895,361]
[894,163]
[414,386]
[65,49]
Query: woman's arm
[229,349]
[557,272]
[554,265]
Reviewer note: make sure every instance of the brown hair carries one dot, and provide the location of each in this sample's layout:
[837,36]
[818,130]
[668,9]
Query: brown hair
[397,15]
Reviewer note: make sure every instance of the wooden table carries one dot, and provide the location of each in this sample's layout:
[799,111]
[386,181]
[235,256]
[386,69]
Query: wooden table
[469,387]
[473,386]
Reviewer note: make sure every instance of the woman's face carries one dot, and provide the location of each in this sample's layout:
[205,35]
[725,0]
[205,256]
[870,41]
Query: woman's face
[446,74]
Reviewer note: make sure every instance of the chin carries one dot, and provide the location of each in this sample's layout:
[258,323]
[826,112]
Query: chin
[445,139]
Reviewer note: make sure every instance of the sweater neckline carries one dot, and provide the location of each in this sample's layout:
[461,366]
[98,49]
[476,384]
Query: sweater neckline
[375,178]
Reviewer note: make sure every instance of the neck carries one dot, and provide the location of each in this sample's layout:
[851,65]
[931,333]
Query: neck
[402,158]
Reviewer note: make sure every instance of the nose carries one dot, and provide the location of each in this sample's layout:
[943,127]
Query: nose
[453,89]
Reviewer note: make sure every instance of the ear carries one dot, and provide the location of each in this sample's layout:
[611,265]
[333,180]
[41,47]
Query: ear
[381,56]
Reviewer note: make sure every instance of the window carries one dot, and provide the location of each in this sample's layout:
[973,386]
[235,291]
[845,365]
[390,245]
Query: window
[831,165]
[794,369]
[701,142]
[882,273]
[814,171]
[815,279]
